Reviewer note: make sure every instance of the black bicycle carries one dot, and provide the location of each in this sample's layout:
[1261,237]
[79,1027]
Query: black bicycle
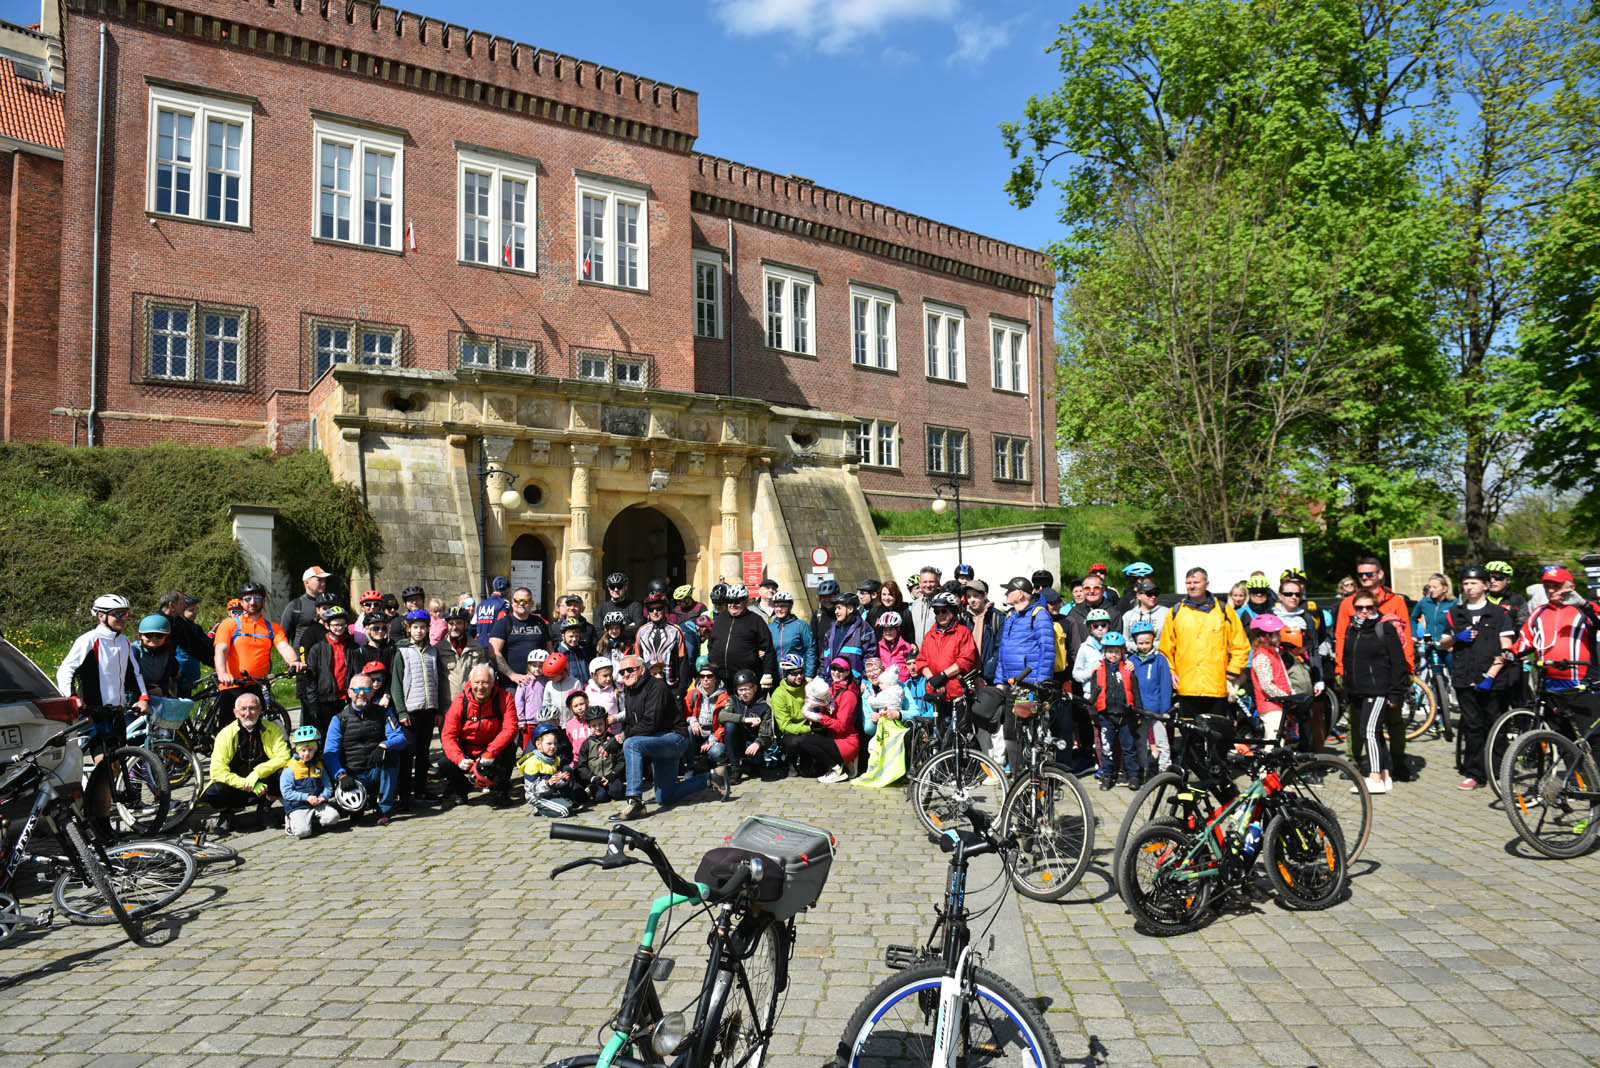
[942,1006]
[960,778]
[200,733]
[1046,810]
[752,889]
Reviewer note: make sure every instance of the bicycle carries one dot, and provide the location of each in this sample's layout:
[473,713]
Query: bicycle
[1046,809]
[206,722]
[769,872]
[94,884]
[960,777]
[1431,672]
[1325,779]
[1551,785]
[1173,866]
[942,1006]
[1515,722]
[125,787]
[185,771]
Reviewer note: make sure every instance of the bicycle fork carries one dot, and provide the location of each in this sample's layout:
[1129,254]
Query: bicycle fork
[951,1023]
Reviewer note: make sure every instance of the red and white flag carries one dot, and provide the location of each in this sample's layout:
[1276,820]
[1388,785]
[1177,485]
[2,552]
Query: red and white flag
[586,269]
[507,251]
[411,235]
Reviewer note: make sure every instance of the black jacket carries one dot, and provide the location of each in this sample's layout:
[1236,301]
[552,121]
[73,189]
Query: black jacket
[1375,661]
[740,642]
[989,648]
[319,682]
[651,709]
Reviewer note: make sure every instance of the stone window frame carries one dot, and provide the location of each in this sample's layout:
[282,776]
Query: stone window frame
[196,310]
[1007,462]
[873,458]
[203,109]
[497,346]
[944,467]
[640,367]
[359,329]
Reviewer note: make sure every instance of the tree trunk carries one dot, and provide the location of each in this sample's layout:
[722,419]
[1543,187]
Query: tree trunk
[1476,515]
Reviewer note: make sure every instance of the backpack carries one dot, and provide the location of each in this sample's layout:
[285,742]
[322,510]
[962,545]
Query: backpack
[1300,684]
[1061,648]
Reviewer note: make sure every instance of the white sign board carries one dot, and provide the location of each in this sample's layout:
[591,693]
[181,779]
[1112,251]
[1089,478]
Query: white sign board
[1411,562]
[815,580]
[529,573]
[1228,562]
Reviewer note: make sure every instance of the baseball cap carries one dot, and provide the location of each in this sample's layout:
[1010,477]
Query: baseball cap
[979,585]
[314,572]
[1555,573]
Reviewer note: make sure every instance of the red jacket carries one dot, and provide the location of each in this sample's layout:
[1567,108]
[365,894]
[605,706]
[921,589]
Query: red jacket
[1098,685]
[951,651]
[472,730]
[843,724]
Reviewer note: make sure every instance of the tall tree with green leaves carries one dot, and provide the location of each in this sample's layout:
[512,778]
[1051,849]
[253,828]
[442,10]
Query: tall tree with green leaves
[1526,131]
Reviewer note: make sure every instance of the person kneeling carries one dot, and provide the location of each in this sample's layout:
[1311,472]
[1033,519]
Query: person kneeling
[547,782]
[364,744]
[245,761]
[477,737]
[307,790]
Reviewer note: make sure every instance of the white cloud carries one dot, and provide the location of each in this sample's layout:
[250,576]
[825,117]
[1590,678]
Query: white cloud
[830,25]
[896,57]
[976,41]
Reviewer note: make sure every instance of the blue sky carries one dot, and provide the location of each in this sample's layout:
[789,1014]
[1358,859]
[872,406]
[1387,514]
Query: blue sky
[894,100]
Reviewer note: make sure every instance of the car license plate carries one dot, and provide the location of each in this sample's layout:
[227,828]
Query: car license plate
[10,737]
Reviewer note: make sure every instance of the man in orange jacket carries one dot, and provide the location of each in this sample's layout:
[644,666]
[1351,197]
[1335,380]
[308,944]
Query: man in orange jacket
[1369,577]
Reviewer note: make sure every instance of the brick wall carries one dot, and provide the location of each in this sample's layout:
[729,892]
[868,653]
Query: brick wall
[30,193]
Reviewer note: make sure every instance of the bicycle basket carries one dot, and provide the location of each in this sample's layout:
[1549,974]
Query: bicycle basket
[170,712]
[988,708]
[803,853]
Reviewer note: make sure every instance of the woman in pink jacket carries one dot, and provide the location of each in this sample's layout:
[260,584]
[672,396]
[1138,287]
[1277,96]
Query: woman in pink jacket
[835,736]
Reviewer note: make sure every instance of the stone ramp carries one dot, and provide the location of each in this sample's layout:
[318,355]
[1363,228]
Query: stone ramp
[825,506]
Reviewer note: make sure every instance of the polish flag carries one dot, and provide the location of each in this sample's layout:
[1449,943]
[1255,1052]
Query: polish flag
[411,235]
[506,252]
[586,268]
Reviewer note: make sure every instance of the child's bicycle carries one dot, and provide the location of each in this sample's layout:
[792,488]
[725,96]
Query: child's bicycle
[1549,781]
[941,1007]
[752,888]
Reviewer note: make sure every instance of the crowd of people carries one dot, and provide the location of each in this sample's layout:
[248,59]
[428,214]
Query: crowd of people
[685,697]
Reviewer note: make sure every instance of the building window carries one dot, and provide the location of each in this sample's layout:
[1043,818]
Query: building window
[350,341]
[872,329]
[1010,459]
[947,356]
[195,344]
[615,367]
[947,451]
[360,179]
[790,310]
[496,353]
[707,294]
[497,199]
[1008,346]
[199,165]
[877,443]
[613,234]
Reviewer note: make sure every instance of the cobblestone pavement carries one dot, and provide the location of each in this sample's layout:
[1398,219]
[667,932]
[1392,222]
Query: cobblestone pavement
[441,939]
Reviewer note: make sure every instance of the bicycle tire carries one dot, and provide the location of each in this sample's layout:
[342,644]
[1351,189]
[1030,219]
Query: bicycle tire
[589,1060]
[942,792]
[147,876]
[921,750]
[136,783]
[1505,730]
[1146,805]
[279,715]
[1346,797]
[1441,699]
[1333,719]
[1156,901]
[893,1026]
[1418,709]
[1055,835]
[206,851]
[1305,859]
[1534,781]
[111,908]
[186,780]
[739,1040]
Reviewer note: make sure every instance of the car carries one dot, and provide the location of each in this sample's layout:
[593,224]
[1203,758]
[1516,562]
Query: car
[32,709]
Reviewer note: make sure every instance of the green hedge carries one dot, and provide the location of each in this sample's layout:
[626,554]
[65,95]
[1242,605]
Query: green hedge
[1091,532]
[75,523]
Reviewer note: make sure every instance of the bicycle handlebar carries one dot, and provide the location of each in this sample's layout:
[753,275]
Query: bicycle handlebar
[621,837]
[577,832]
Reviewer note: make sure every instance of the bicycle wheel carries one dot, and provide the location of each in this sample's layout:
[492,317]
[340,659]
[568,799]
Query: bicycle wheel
[918,753]
[1147,879]
[1419,709]
[1305,859]
[748,1001]
[1149,803]
[134,781]
[1054,823]
[1335,784]
[97,899]
[1333,718]
[1442,699]
[204,850]
[279,715]
[186,779]
[895,1026]
[1539,770]
[953,781]
[145,875]
[1506,730]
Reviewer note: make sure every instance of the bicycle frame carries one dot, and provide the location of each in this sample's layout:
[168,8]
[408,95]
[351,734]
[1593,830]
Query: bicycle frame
[1211,838]
[45,797]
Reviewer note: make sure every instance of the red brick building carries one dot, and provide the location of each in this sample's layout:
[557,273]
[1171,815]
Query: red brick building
[291,188]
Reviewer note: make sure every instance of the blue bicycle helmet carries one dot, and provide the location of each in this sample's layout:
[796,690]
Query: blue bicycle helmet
[1138,569]
[306,733]
[1113,640]
[1143,626]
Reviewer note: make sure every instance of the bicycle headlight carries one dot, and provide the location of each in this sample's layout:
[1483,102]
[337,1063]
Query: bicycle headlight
[669,1033]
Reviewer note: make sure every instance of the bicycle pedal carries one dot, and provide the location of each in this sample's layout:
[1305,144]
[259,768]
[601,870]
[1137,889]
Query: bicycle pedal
[899,958]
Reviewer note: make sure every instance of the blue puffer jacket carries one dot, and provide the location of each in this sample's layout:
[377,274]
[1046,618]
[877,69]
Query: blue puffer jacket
[793,637]
[1027,640]
[851,640]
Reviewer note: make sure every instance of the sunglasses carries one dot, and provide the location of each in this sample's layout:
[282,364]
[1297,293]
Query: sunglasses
[1366,574]
[631,670]
[1366,608]
[117,612]
[1093,625]
[1290,593]
[361,689]
[796,671]
[252,599]
[522,600]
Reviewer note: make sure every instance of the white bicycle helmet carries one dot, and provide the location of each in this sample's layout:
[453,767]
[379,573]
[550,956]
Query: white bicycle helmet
[110,602]
[889,619]
[350,800]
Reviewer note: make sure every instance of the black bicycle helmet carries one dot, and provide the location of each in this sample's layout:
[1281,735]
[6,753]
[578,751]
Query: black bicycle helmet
[719,593]
[743,677]
[657,586]
[945,600]
[1475,571]
[410,592]
[616,578]
[252,589]
[827,588]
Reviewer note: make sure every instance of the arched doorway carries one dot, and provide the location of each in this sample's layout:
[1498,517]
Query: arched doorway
[643,544]
[530,567]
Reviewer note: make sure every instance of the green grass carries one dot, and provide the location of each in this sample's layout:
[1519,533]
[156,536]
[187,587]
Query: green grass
[1090,533]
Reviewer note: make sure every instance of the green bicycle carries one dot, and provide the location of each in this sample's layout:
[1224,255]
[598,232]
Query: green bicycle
[753,887]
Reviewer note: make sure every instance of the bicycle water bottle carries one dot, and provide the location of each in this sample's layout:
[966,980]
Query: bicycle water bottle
[1252,840]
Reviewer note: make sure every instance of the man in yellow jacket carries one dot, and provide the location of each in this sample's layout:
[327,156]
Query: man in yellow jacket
[1204,643]
[245,761]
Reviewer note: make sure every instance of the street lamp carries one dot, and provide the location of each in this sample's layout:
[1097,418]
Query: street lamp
[940,504]
[509,499]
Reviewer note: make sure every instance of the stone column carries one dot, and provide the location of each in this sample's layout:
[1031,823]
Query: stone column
[580,553]
[496,549]
[729,563]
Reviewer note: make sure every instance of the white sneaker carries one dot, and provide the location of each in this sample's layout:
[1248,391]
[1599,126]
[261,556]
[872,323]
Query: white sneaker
[838,774]
[1380,787]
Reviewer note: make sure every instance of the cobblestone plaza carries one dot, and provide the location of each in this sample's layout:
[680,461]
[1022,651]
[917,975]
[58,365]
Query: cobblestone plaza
[442,940]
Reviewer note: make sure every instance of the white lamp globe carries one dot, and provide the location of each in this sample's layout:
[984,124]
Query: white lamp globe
[510,499]
[939,505]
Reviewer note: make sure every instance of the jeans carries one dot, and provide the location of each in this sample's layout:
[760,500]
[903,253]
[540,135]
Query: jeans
[381,783]
[1116,736]
[664,751]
